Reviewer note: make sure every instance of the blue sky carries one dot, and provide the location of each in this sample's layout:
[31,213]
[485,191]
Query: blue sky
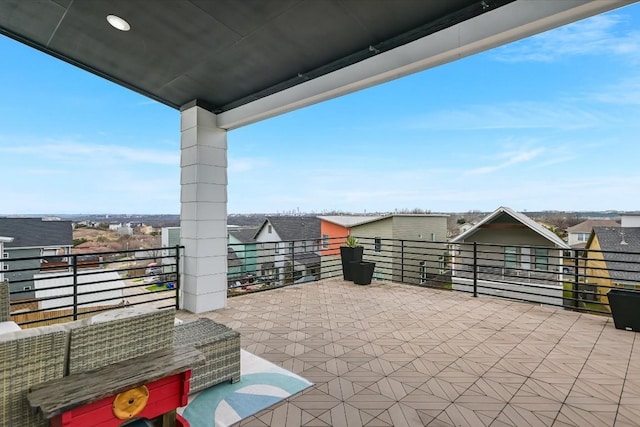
[546,123]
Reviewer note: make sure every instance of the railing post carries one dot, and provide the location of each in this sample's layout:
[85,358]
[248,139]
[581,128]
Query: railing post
[575,286]
[75,286]
[177,277]
[475,269]
[402,261]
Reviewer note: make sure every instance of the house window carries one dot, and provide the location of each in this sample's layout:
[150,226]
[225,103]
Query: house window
[377,243]
[5,267]
[433,237]
[269,228]
[423,271]
[5,255]
[291,247]
[583,237]
[277,247]
[510,257]
[542,259]
[303,246]
[325,241]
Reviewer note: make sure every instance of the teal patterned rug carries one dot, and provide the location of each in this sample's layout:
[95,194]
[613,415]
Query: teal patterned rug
[261,385]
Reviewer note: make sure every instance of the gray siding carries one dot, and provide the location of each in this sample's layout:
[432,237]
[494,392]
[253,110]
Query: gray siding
[384,259]
[425,243]
[18,280]
[399,259]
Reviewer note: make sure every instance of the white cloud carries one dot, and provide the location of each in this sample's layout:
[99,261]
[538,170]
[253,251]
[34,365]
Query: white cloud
[625,92]
[512,115]
[72,151]
[246,164]
[506,160]
[598,35]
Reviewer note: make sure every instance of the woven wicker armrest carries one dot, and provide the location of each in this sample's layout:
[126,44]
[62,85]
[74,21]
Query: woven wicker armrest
[221,347]
[4,302]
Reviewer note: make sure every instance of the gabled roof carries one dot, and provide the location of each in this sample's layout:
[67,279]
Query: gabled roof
[34,232]
[293,227]
[349,220]
[522,218]
[244,234]
[232,258]
[306,258]
[587,226]
[621,251]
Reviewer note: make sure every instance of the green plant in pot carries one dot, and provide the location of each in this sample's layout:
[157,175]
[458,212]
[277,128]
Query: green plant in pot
[351,251]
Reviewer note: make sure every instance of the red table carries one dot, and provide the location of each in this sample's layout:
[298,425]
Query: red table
[150,387]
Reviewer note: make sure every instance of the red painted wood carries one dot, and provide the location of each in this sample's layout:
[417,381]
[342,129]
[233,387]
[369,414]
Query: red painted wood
[165,395]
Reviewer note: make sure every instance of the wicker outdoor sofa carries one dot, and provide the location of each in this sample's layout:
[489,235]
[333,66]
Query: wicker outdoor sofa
[33,356]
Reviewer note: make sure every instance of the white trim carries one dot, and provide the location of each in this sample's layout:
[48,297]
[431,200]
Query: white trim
[525,220]
[506,24]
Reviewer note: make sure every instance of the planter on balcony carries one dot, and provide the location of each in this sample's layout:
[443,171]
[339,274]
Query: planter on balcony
[348,255]
[362,272]
[625,306]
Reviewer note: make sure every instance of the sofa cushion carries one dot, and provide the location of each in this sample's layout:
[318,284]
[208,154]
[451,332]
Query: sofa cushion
[120,313]
[41,330]
[6,327]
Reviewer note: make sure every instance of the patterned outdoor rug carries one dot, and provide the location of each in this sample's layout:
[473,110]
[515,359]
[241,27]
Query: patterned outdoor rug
[261,385]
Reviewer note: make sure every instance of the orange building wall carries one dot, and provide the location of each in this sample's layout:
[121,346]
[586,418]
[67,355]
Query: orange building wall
[336,234]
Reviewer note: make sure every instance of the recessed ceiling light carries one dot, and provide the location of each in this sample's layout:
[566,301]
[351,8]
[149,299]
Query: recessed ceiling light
[118,23]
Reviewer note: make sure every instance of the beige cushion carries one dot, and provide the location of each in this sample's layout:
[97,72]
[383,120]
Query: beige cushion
[41,330]
[120,313]
[6,327]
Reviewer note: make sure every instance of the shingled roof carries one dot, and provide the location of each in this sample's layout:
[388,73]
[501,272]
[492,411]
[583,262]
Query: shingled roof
[294,227]
[621,248]
[34,232]
[244,234]
[587,226]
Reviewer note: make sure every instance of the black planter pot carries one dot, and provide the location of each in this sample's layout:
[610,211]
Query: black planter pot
[348,255]
[625,306]
[362,272]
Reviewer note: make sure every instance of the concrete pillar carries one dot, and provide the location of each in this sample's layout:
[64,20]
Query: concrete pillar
[203,213]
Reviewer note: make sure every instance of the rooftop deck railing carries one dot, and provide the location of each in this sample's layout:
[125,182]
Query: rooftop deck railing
[576,280]
[59,288]
[51,289]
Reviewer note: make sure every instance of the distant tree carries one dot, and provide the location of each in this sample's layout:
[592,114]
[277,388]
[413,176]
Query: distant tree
[461,221]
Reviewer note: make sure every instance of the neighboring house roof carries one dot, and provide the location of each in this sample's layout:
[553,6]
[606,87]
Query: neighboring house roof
[380,218]
[587,226]
[617,245]
[552,237]
[306,258]
[293,227]
[232,258]
[34,232]
[348,220]
[244,234]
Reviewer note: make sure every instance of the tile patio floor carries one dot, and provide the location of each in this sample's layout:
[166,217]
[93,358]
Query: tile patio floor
[397,355]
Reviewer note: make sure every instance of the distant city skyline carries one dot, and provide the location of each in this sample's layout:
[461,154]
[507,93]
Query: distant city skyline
[546,123]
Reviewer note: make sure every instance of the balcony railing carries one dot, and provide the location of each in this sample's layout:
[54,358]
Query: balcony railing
[52,289]
[60,288]
[576,280]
